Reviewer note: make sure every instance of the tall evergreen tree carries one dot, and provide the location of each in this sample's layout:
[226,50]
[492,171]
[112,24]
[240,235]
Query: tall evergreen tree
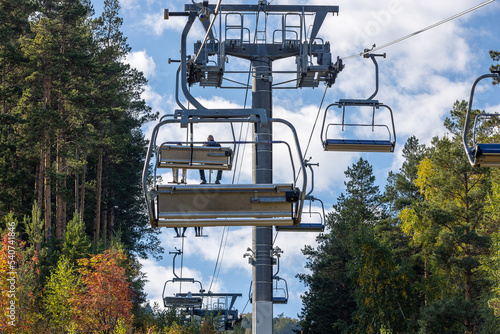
[15,192]
[329,304]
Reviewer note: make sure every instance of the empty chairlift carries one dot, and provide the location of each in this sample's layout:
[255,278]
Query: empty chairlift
[480,154]
[383,137]
[183,300]
[317,216]
[280,286]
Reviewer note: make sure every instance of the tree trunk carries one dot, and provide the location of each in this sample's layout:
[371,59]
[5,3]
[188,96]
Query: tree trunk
[47,88]
[39,181]
[426,277]
[105,224]
[97,223]
[468,297]
[77,182]
[47,189]
[60,187]
[82,188]
[111,220]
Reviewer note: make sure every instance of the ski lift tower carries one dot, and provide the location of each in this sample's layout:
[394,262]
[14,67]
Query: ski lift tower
[296,35]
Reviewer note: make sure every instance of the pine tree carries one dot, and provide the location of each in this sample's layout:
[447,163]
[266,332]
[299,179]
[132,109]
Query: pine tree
[330,303]
[15,156]
[76,242]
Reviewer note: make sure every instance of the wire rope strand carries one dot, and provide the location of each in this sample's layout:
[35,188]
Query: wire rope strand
[421,30]
[248,300]
[276,237]
[222,256]
[312,130]
[217,261]
[182,264]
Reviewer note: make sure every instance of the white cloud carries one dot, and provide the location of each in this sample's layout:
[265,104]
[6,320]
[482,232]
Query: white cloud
[141,61]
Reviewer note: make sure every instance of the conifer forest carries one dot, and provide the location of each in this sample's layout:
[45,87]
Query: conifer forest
[419,255]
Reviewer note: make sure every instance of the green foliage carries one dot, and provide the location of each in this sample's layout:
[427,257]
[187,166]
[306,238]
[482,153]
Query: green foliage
[495,56]
[59,294]
[34,227]
[385,294]
[330,303]
[284,325]
[76,242]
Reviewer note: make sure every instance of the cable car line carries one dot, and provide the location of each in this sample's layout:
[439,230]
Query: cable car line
[182,263]
[222,256]
[312,131]
[217,261]
[421,30]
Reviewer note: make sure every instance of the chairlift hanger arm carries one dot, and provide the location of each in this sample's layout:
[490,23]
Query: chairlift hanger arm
[468,150]
[372,56]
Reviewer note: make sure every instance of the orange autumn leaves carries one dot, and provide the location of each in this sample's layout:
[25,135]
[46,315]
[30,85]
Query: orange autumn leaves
[91,295]
[104,298]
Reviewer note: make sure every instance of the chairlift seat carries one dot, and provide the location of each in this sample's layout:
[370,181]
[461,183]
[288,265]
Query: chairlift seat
[225,205]
[280,300]
[196,157]
[487,155]
[303,227]
[357,103]
[182,300]
[358,145]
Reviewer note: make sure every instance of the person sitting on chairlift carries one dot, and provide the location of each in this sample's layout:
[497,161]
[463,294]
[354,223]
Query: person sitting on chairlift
[210,142]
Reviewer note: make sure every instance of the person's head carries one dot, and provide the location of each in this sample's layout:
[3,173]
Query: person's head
[210,138]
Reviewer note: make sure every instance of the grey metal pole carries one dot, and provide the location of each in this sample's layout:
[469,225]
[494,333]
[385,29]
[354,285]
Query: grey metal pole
[262,271]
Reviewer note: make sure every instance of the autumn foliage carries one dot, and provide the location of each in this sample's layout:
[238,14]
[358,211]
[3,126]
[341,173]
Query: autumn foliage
[104,297]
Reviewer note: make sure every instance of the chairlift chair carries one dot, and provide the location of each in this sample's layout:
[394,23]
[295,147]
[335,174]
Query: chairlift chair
[386,144]
[480,154]
[308,227]
[280,286]
[280,290]
[182,300]
[188,205]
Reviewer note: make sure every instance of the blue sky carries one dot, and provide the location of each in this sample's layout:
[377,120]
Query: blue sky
[420,79]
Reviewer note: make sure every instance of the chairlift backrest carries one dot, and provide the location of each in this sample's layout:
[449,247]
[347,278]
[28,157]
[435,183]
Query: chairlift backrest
[194,157]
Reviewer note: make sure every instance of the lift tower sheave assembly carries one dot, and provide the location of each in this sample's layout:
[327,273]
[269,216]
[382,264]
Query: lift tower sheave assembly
[295,35]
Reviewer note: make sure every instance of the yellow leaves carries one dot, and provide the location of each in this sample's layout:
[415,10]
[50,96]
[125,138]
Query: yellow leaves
[493,200]
[413,225]
[408,218]
[425,173]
